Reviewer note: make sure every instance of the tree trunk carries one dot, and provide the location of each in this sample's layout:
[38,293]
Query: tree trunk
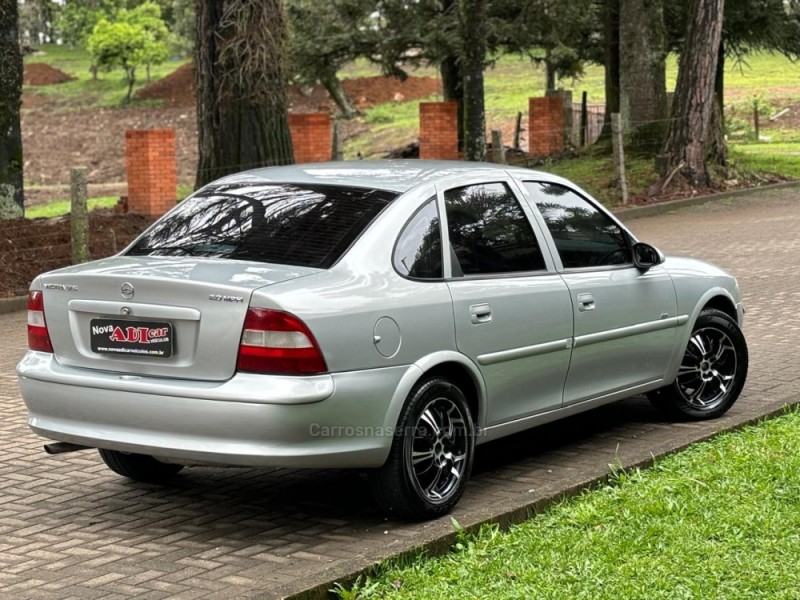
[611,52]
[473,43]
[689,140]
[130,77]
[333,85]
[242,106]
[453,90]
[642,68]
[718,151]
[549,71]
[10,100]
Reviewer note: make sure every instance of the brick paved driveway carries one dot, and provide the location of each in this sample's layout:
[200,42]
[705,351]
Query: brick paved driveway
[71,528]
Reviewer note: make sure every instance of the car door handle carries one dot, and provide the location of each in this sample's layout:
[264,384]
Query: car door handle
[585,302]
[480,313]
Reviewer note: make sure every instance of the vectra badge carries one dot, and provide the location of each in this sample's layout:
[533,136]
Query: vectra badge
[126,290]
[64,287]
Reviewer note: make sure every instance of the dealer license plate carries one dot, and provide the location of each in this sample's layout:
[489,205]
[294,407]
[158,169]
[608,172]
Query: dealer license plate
[136,338]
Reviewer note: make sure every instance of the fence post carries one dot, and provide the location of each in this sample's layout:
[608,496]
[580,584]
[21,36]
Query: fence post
[337,153]
[498,154]
[756,122]
[619,156]
[568,116]
[584,118]
[79,220]
[517,130]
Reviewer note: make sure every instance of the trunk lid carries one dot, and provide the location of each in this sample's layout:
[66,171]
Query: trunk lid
[155,316]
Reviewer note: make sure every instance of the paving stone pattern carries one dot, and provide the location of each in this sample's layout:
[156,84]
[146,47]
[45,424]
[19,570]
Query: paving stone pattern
[69,528]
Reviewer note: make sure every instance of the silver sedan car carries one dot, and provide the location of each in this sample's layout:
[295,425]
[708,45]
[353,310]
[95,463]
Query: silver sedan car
[386,315]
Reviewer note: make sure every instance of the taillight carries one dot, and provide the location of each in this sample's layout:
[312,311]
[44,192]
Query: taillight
[38,337]
[278,342]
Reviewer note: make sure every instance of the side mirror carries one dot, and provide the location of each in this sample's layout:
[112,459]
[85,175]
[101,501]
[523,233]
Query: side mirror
[646,256]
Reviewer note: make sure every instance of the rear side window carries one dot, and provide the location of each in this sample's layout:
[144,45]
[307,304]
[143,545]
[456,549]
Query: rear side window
[418,253]
[489,233]
[290,224]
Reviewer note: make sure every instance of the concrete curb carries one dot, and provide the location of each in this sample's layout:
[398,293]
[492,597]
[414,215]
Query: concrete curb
[660,208]
[443,536]
[13,304]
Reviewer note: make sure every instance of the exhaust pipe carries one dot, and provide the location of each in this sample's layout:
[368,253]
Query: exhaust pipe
[62,447]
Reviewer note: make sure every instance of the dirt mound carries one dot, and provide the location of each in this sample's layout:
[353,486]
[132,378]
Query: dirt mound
[34,246]
[43,74]
[368,91]
[177,89]
[364,92]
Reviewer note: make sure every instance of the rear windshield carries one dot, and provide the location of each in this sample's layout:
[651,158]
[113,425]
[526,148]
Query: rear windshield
[290,224]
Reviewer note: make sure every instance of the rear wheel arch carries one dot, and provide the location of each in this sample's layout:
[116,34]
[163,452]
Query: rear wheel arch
[450,365]
[458,374]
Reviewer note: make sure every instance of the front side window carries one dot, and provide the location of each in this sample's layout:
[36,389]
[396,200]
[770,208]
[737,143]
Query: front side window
[488,231]
[281,223]
[418,253]
[584,236]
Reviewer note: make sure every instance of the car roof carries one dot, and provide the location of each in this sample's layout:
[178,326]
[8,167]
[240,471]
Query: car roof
[394,175]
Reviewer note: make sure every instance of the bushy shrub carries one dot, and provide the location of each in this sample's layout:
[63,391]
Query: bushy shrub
[8,208]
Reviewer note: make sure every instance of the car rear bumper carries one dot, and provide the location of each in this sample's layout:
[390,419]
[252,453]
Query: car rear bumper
[326,421]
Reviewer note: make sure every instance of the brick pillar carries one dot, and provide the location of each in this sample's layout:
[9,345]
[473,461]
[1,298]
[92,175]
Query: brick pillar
[312,136]
[152,170]
[438,130]
[545,125]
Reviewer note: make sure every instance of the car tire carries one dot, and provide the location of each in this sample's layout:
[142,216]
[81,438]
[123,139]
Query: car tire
[431,455]
[712,371]
[139,467]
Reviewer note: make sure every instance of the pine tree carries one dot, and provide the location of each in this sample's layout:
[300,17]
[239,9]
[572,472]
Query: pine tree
[689,137]
[10,100]
[242,105]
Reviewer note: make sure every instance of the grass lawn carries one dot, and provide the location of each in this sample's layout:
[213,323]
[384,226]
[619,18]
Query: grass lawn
[782,157]
[719,520]
[62,207]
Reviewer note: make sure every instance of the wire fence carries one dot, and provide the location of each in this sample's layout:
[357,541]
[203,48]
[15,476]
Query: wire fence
[32,246]
[582,134]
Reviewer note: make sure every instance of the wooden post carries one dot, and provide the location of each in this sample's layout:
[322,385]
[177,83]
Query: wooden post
[569,116]
[337,152]
[78,215]
[619,156]
[517,130]
[756,123]
[498,151]
[584,119]
[662,164]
